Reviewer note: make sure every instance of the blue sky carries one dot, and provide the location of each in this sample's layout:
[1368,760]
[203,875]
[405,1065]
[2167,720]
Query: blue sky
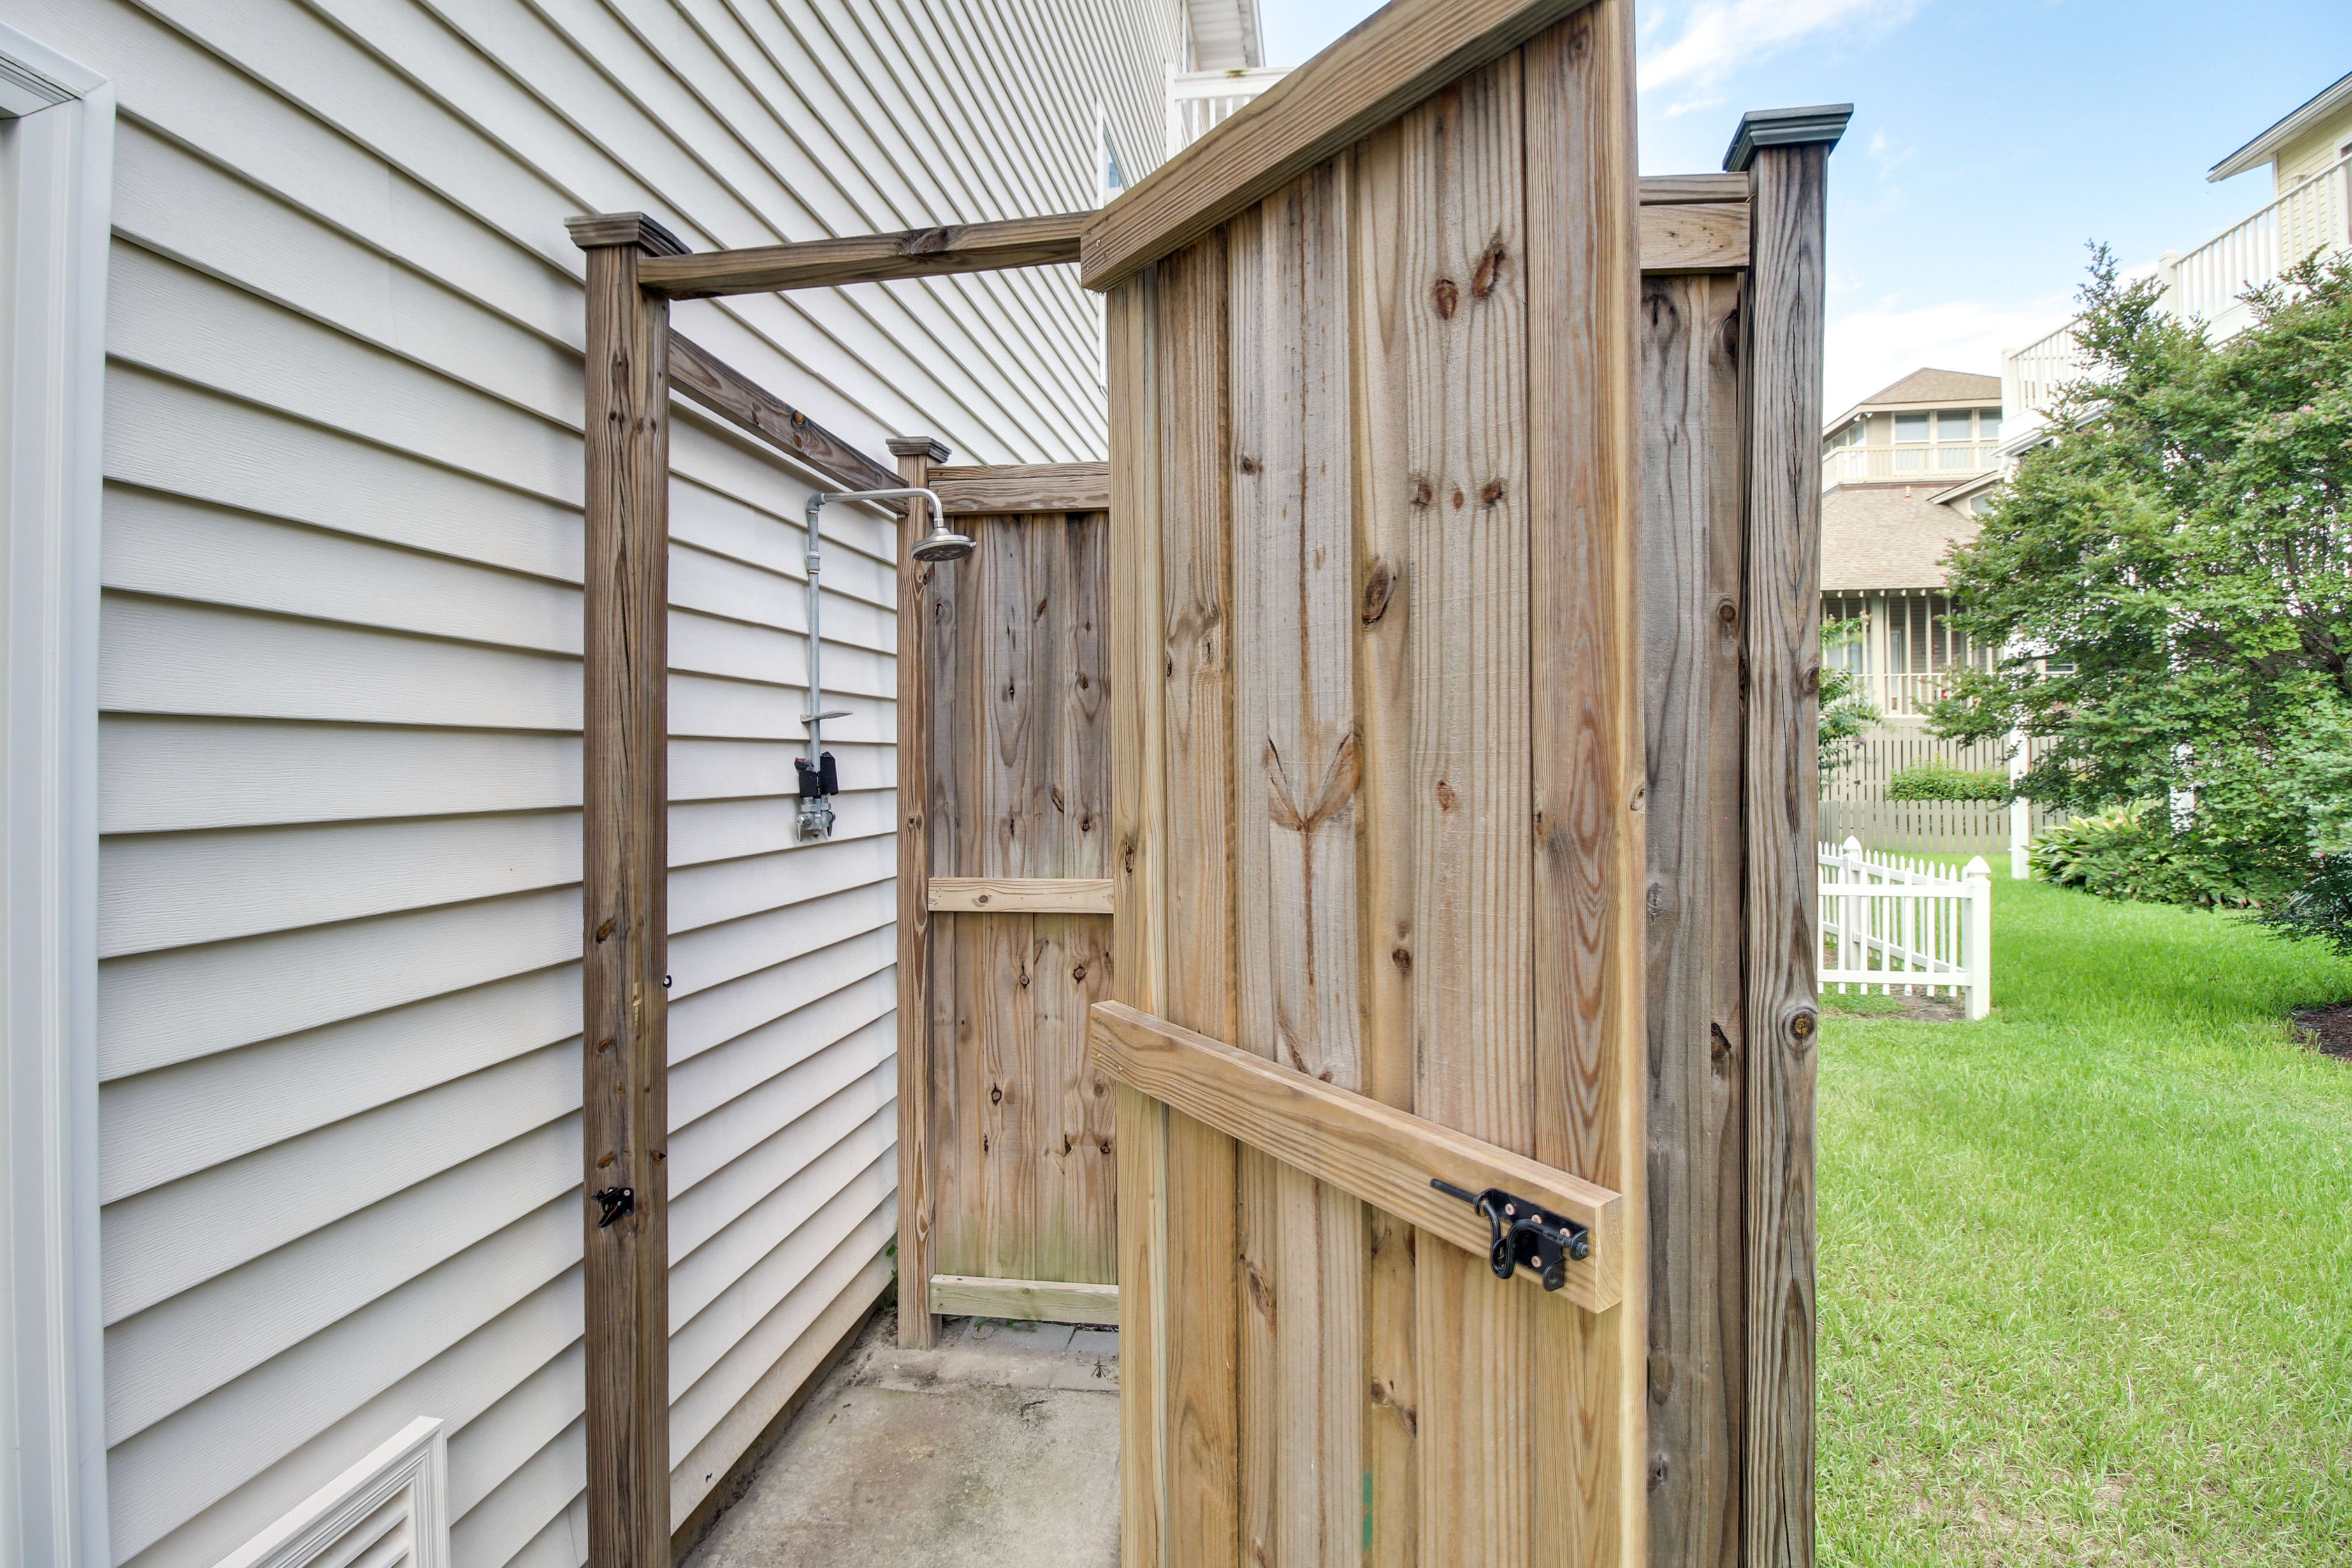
[1990,139]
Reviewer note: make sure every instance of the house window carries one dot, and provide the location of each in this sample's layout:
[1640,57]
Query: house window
[1989,425]
[1910,427]
[1952,424]
[1111,174]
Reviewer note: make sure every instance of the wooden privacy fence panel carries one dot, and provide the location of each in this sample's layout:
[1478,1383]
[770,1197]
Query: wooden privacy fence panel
[1015,1142]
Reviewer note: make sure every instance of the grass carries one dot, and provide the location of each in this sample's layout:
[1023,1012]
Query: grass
[2085,1287]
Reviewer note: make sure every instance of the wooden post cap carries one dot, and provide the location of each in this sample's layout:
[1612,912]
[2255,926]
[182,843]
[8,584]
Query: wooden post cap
[595,231]
[1784,128]
[928,447]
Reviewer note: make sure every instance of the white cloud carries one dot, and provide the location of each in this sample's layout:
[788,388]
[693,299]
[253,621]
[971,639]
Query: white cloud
[1876,344]
[1720,37]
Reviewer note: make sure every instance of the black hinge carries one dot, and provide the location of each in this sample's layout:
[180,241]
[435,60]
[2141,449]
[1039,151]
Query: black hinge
[615,1202]
[1526,1233]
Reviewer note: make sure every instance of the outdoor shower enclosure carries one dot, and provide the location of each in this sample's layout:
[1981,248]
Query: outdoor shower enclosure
[1390,776]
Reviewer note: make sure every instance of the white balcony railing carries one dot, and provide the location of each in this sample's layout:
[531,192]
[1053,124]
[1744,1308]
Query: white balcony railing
[1938,463]
[1199,100]
[1905,695]
[2032,377]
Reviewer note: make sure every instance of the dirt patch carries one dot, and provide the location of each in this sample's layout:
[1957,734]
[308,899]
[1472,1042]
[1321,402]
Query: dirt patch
[2326,1029]
[1898,1008]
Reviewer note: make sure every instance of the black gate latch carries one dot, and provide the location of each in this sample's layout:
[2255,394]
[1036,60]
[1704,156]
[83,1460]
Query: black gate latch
[615,1202]
[1526,1233]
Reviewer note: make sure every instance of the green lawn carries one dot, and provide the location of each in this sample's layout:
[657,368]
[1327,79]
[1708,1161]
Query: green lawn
[2086,1266]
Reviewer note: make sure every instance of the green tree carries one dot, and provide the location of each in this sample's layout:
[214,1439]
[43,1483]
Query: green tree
[1845,714]
[2172,579]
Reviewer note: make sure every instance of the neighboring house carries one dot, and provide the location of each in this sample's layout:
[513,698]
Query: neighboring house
[335,910]
[1901,471]
[2308,210]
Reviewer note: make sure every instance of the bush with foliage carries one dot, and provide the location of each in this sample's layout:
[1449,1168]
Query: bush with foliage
[2173,577]
[1845,714]
[1937,779]
[2134,852]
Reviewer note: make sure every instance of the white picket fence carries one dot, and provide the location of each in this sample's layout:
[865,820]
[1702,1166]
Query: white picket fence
[1894,923]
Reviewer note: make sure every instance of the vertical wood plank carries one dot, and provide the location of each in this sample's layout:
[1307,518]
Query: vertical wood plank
[1582,221]
[625,896]
[1195,545]
[1297,766]
[1783,626]
[918,1329]
[1692,537]
[1138,728]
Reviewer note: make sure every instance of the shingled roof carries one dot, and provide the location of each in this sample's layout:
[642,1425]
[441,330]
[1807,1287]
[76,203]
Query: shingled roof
[1881,536]
[1925,387]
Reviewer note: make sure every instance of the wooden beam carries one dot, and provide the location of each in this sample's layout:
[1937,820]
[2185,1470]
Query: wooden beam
[1399,55]
[1022,895]
[918,1173]
[1695,236]
[1020,488]
[701,376]
[1030,1301]
[868,258]
[1666,190]
[625,748]
[1790,167]
[1382,1155]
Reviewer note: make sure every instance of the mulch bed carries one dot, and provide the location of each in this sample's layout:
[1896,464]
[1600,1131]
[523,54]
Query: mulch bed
[2329,1028]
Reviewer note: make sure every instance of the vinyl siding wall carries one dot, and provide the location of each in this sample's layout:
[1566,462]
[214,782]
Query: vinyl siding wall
[340,692]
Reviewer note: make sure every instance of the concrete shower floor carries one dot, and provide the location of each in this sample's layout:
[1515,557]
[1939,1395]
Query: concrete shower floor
[998,1449]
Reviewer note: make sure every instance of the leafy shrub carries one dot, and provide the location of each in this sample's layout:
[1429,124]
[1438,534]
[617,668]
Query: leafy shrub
[1936,779]
[1845,714]
[2321,908]
[2134,852]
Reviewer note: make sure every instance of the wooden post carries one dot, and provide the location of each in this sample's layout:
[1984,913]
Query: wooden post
[1785,153]
[625,738]
[918,1329]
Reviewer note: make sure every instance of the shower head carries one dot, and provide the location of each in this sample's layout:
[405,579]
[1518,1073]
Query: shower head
[942,543]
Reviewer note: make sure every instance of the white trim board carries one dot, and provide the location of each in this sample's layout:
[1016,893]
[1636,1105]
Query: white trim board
[388,1511]
[56,141]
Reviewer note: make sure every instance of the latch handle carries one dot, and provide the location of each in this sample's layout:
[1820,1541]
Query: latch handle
[1525,1233]
[615,1202]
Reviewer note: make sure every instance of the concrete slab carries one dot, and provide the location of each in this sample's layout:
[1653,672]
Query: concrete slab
[998,1449]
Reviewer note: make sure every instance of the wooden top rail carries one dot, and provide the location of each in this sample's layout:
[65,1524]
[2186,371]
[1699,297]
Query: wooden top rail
[700,376]
[1390,61]
[1665,190]
[1385,1156]
[1032,487]
[866,258]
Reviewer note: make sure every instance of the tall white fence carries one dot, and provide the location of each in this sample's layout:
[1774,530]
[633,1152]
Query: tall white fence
[1893,924]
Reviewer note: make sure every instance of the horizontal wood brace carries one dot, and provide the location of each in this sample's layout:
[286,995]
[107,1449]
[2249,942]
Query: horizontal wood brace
[1666,190]
[700,377]
[1695,236]
[1021,895]
[866,258]
[1030,1301]
[1385,1156]
[1023,487]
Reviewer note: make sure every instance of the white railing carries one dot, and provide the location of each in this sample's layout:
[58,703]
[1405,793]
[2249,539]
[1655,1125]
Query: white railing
[1892,923]
[1905,696]
[1936,463]
[2032,377]
[1199,100]
[2263,249]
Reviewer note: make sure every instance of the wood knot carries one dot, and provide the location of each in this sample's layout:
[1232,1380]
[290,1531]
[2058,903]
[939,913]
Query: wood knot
[1261,1294]
[1458,498]
[1447,297]
[1446,797]
[1719,1045]
[1086,683]
[1054,794]
[1247,464]
[604,930]
[1489,271]
[1078,975]
[1421,494]
[1378,582]
[1726,612]
[995,1094]
[1490,493]
[1403,958]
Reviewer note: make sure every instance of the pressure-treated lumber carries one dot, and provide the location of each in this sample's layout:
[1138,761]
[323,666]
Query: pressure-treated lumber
[918,1142]
[625,944]
[696,373]
[1384,1156]
[1014,489]
[1032,1300]
[1022,895]
[1402,54]
[1695,236]
[1665,190]
[1785,318]
[868,258]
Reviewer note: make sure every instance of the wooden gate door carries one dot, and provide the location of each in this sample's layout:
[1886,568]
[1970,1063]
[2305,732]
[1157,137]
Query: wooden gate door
[1376,786]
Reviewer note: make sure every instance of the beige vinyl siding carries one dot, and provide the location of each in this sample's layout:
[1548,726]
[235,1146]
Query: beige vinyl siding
[340,678]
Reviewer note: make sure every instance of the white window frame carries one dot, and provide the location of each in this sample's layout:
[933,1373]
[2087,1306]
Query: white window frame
[55,212]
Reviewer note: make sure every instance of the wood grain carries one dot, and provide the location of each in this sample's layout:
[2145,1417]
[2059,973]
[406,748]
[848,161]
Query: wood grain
[624,919]
[1663,190]
[1585,486]
[700,377]
[1029,1301]
[1785,309]
[1692,537]
[867,258]
[1010,488]
[1193,522]
[918,1150]
[1379,1154]
[1022,895]
[1393,60]
[1695,236]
